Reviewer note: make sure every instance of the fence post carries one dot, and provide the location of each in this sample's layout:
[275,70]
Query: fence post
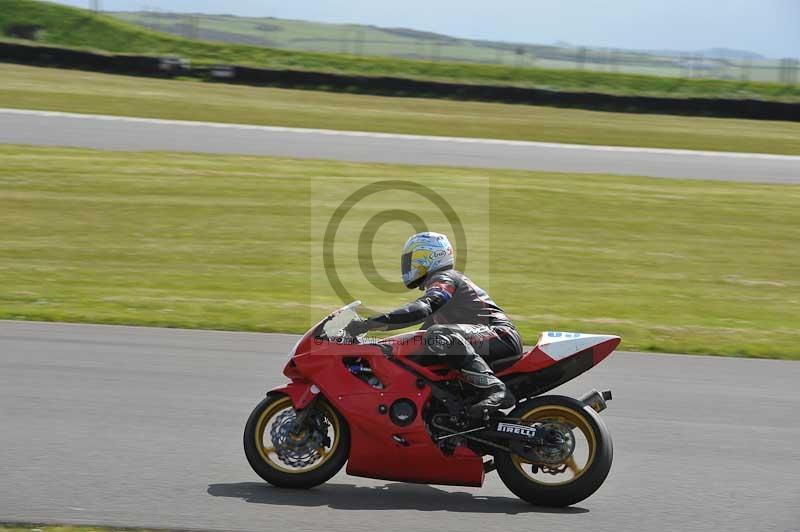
[581,57]
[520,51]
[360,41]
[788,71]
[745,67]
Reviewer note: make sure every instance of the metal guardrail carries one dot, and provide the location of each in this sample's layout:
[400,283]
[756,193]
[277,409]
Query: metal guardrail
[171,66]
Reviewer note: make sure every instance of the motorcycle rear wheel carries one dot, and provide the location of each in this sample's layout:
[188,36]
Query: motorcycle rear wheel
[580,481]
[268,463]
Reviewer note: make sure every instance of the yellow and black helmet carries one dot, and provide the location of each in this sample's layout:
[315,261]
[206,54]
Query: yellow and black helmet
[425,253]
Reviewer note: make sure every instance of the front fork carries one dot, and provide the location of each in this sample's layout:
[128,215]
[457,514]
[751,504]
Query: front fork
[302,393]
[302,414]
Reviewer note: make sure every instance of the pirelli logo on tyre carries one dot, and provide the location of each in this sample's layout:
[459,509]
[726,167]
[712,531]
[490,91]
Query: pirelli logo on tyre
[511,428]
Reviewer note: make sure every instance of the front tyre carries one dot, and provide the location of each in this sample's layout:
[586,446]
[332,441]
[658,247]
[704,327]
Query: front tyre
[567,480]
[289,454]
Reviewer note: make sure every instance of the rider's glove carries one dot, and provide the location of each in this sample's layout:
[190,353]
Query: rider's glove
[357,328]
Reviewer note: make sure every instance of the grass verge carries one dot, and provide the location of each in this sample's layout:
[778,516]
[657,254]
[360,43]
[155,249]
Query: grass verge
[224,242]
[70,26]
[66,90]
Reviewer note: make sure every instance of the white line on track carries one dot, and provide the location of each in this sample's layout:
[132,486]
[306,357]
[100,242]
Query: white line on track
[399,136]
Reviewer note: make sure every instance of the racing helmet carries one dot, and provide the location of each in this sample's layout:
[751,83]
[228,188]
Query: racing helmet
[424,253]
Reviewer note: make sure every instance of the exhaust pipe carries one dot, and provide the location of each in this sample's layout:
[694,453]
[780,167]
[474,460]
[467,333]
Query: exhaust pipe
[596,400]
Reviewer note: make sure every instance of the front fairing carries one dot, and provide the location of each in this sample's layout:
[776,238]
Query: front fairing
[304,345]
[318,335]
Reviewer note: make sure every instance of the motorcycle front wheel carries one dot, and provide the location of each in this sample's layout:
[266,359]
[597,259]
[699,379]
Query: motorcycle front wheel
[292,454]
[566,481]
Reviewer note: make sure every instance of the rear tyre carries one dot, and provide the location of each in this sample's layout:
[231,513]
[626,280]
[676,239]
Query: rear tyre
[538,484]
[300,459]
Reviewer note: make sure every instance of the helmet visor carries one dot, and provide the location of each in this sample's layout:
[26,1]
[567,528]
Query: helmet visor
[405,264]
[412,276]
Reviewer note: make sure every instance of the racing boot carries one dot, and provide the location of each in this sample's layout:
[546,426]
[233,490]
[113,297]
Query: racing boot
[492,392]
[461,355]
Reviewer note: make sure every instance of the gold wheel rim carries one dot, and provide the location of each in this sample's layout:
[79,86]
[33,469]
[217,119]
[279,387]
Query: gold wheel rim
[564,415]
[268,453]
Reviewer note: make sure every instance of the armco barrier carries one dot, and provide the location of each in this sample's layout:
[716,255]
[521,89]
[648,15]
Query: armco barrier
[84,60]
[729,108]
[390,86]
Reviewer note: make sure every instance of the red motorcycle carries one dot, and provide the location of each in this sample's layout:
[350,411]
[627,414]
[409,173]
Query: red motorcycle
[393,412]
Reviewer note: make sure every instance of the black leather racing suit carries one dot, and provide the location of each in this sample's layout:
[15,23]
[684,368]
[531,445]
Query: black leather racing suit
[460,319]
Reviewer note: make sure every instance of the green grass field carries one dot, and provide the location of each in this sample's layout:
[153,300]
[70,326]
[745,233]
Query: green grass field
[80,28]
[229,242]
[84,92]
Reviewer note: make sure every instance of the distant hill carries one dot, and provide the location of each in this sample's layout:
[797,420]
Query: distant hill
[331,38]
[429,56]
[412,44]
[730,53]
[714,53]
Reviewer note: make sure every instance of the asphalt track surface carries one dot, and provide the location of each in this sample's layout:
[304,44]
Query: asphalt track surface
[122,133]
[142,427]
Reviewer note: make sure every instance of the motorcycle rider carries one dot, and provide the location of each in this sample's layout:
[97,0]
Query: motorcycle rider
[463,324]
